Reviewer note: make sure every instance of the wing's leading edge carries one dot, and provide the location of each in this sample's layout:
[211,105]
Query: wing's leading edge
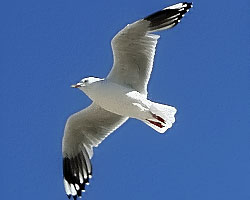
[83,131]
[134,47]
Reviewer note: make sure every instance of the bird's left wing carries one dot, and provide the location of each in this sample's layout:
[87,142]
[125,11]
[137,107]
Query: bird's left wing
[84,130]
[134,46]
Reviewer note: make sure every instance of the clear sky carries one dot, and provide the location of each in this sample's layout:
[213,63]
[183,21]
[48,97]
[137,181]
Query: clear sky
[201,67]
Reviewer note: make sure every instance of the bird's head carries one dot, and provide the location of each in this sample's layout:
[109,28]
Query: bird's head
[85,82]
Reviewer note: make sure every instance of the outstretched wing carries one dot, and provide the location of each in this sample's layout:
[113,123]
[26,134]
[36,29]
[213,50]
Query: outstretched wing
[134,47]
[84,130]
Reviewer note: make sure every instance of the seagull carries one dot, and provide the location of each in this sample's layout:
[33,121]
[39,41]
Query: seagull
[119,96]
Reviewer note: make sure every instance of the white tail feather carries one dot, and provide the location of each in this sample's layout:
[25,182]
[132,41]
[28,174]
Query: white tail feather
[162,117]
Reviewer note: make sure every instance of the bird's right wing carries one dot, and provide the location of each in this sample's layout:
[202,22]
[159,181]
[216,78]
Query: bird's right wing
[134,47]
[84,130]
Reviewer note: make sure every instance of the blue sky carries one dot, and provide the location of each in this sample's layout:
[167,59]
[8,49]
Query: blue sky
[201,67]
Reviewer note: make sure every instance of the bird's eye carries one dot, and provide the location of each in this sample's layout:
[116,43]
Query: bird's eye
[85,81]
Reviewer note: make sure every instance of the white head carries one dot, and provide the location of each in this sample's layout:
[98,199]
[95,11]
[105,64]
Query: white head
[84,83]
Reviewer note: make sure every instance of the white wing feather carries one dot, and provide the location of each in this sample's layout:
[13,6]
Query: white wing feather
[133,51]
[134,47]
[83,131]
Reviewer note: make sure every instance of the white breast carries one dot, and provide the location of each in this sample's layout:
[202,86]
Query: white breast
[117,99]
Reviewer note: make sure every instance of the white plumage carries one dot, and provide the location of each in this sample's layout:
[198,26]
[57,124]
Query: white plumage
[121,95]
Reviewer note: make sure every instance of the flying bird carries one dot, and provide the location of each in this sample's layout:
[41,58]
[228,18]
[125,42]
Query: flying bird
[119,96]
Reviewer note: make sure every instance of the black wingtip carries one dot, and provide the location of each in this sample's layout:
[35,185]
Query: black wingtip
[76,171]
[79,193]
[168,17]
[189,5]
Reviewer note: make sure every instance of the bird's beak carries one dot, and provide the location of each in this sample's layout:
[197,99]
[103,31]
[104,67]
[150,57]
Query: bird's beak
[76,85]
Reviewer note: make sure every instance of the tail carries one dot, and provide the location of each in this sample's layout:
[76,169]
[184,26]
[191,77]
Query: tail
[168,17]
[162,117]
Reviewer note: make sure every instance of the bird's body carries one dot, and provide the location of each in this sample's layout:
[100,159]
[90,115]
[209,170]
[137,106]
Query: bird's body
[118,99]
[121,95]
